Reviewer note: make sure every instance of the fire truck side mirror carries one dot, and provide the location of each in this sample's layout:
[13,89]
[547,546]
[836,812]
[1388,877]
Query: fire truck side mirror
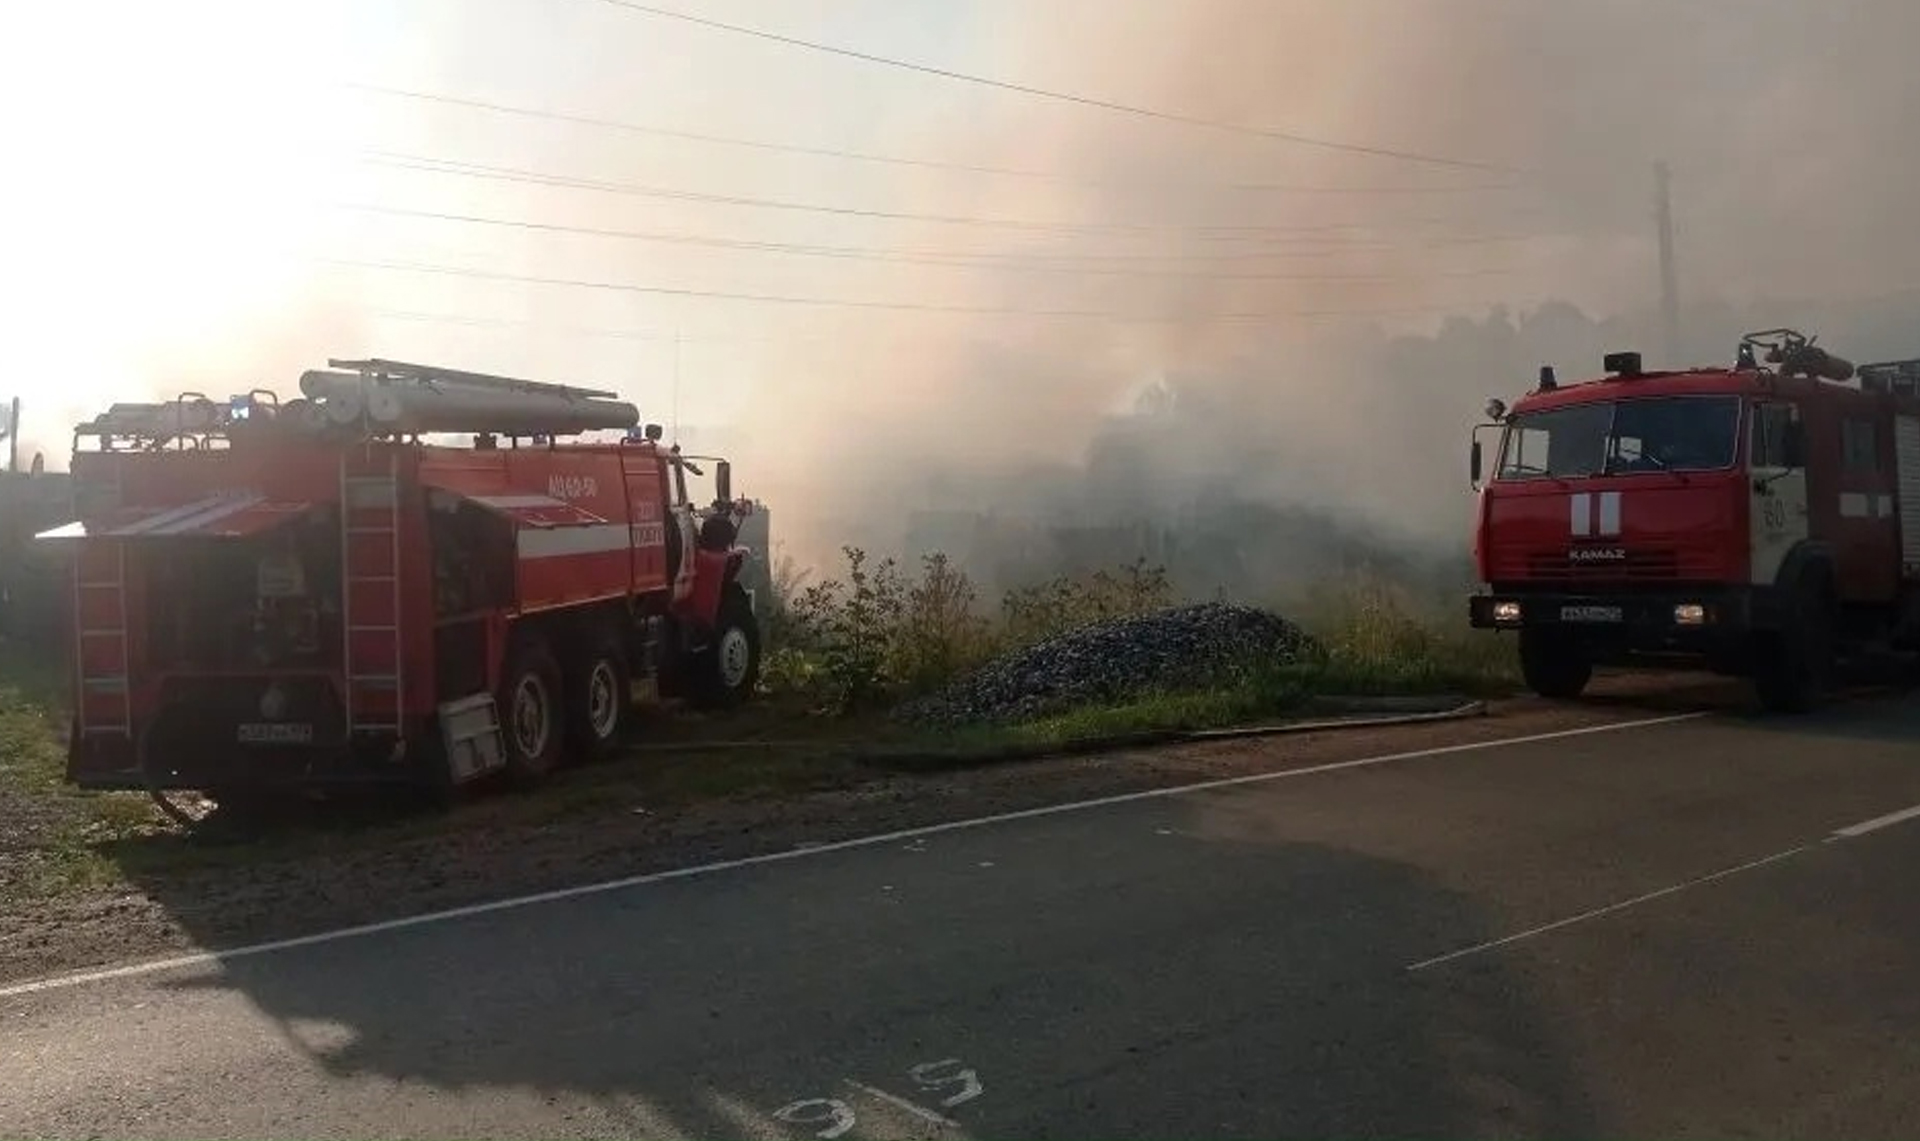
[723,481]
[1473,463]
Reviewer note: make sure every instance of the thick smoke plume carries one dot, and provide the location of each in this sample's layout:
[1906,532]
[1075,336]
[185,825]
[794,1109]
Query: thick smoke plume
[1165,354]
[1783,122]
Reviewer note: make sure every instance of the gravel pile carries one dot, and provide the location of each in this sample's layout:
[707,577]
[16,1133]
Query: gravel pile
[1111,661]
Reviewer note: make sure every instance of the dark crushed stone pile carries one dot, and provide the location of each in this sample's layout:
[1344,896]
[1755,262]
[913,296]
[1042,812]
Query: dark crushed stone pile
[1114,660]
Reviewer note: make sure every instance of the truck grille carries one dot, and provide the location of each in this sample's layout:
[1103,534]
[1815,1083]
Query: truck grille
[1638,566]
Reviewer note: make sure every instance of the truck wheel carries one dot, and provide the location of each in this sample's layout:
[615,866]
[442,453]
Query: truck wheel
[728,668]
[1794,666]
[599,700]
[531,713]
[1553,665]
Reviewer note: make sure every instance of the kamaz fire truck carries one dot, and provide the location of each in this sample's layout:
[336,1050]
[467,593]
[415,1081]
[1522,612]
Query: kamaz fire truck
[1760,521]
[403,576]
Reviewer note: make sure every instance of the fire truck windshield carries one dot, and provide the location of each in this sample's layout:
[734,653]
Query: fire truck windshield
[1616,437]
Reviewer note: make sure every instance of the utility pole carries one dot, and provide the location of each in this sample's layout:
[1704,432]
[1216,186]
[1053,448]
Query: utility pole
[1669,280]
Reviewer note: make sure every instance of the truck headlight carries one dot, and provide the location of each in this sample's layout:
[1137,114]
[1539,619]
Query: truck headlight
[1507,613]
[1689,614]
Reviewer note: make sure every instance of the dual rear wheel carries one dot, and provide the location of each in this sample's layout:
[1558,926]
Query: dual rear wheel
[553,710]
[550,713]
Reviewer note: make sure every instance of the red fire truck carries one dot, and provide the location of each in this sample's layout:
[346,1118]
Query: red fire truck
[1760,521]
[331,591]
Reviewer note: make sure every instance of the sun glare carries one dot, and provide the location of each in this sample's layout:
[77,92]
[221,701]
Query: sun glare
[183,155]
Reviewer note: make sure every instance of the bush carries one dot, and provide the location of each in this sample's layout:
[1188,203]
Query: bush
[848,628]
[1377,638]
[1037,613]
[874,637]
[939,636]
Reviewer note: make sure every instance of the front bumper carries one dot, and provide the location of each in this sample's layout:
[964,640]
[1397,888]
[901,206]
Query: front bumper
[1678,621]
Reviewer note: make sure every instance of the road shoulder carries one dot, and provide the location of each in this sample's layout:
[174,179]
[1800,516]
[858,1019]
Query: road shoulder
[326,882]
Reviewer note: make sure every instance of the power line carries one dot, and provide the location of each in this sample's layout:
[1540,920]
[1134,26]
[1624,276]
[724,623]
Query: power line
[572,330]
[876,255]
[430,164]
[853,303]
[898,160]
[1240,233]
[1061,96]
[619,334]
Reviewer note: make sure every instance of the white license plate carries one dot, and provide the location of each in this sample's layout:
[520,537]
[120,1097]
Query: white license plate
[1590,614]
[276,734]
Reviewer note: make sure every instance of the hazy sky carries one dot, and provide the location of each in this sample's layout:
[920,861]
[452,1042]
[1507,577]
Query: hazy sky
[181,170]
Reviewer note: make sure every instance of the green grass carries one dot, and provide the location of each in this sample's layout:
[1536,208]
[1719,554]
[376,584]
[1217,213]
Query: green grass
[54,832]
[30,756]
[1274,694]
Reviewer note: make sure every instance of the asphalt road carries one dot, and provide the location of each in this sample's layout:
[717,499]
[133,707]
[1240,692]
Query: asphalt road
[1671,930]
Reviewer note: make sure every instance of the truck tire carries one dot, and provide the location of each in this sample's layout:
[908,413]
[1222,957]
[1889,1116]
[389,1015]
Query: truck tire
[599,699]
[727,670]
[532,713]
[1793,666]
[1552,664]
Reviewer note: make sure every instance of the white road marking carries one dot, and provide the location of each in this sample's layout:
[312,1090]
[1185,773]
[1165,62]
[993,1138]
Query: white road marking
[207,958]
[921,1112]
[929,1075]
[1597,912]
[838,1120]
[1877,823]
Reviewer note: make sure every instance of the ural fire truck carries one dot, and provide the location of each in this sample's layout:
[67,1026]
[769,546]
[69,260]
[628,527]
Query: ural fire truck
[1760,521]
[332,591]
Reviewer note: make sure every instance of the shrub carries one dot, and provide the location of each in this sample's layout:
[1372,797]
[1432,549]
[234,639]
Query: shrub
[848,626]
[1036,613]
[939,635]
[1379,639]
[872,636]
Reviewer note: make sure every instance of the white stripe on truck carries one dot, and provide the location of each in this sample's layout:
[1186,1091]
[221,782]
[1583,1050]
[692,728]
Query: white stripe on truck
[592,539]
[1610,513]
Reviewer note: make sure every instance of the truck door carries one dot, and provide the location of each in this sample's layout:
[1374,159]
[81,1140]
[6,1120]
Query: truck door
[1777,508]
[648,514]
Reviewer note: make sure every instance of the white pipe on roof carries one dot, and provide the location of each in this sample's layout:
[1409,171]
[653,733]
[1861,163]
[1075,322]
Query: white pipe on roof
[413,408]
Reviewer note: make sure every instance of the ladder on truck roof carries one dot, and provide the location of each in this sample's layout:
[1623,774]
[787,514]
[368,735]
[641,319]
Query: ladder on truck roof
[372,653]
[432,374]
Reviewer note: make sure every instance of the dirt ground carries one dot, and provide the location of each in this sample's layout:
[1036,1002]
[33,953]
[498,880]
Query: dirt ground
[351,874]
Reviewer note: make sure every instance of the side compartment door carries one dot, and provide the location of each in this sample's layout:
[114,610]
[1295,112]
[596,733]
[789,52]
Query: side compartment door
[1777,493]
[1906,459]
[1866,535]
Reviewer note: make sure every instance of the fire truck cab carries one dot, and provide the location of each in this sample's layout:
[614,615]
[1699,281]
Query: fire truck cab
[1760,521]
[410,575]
